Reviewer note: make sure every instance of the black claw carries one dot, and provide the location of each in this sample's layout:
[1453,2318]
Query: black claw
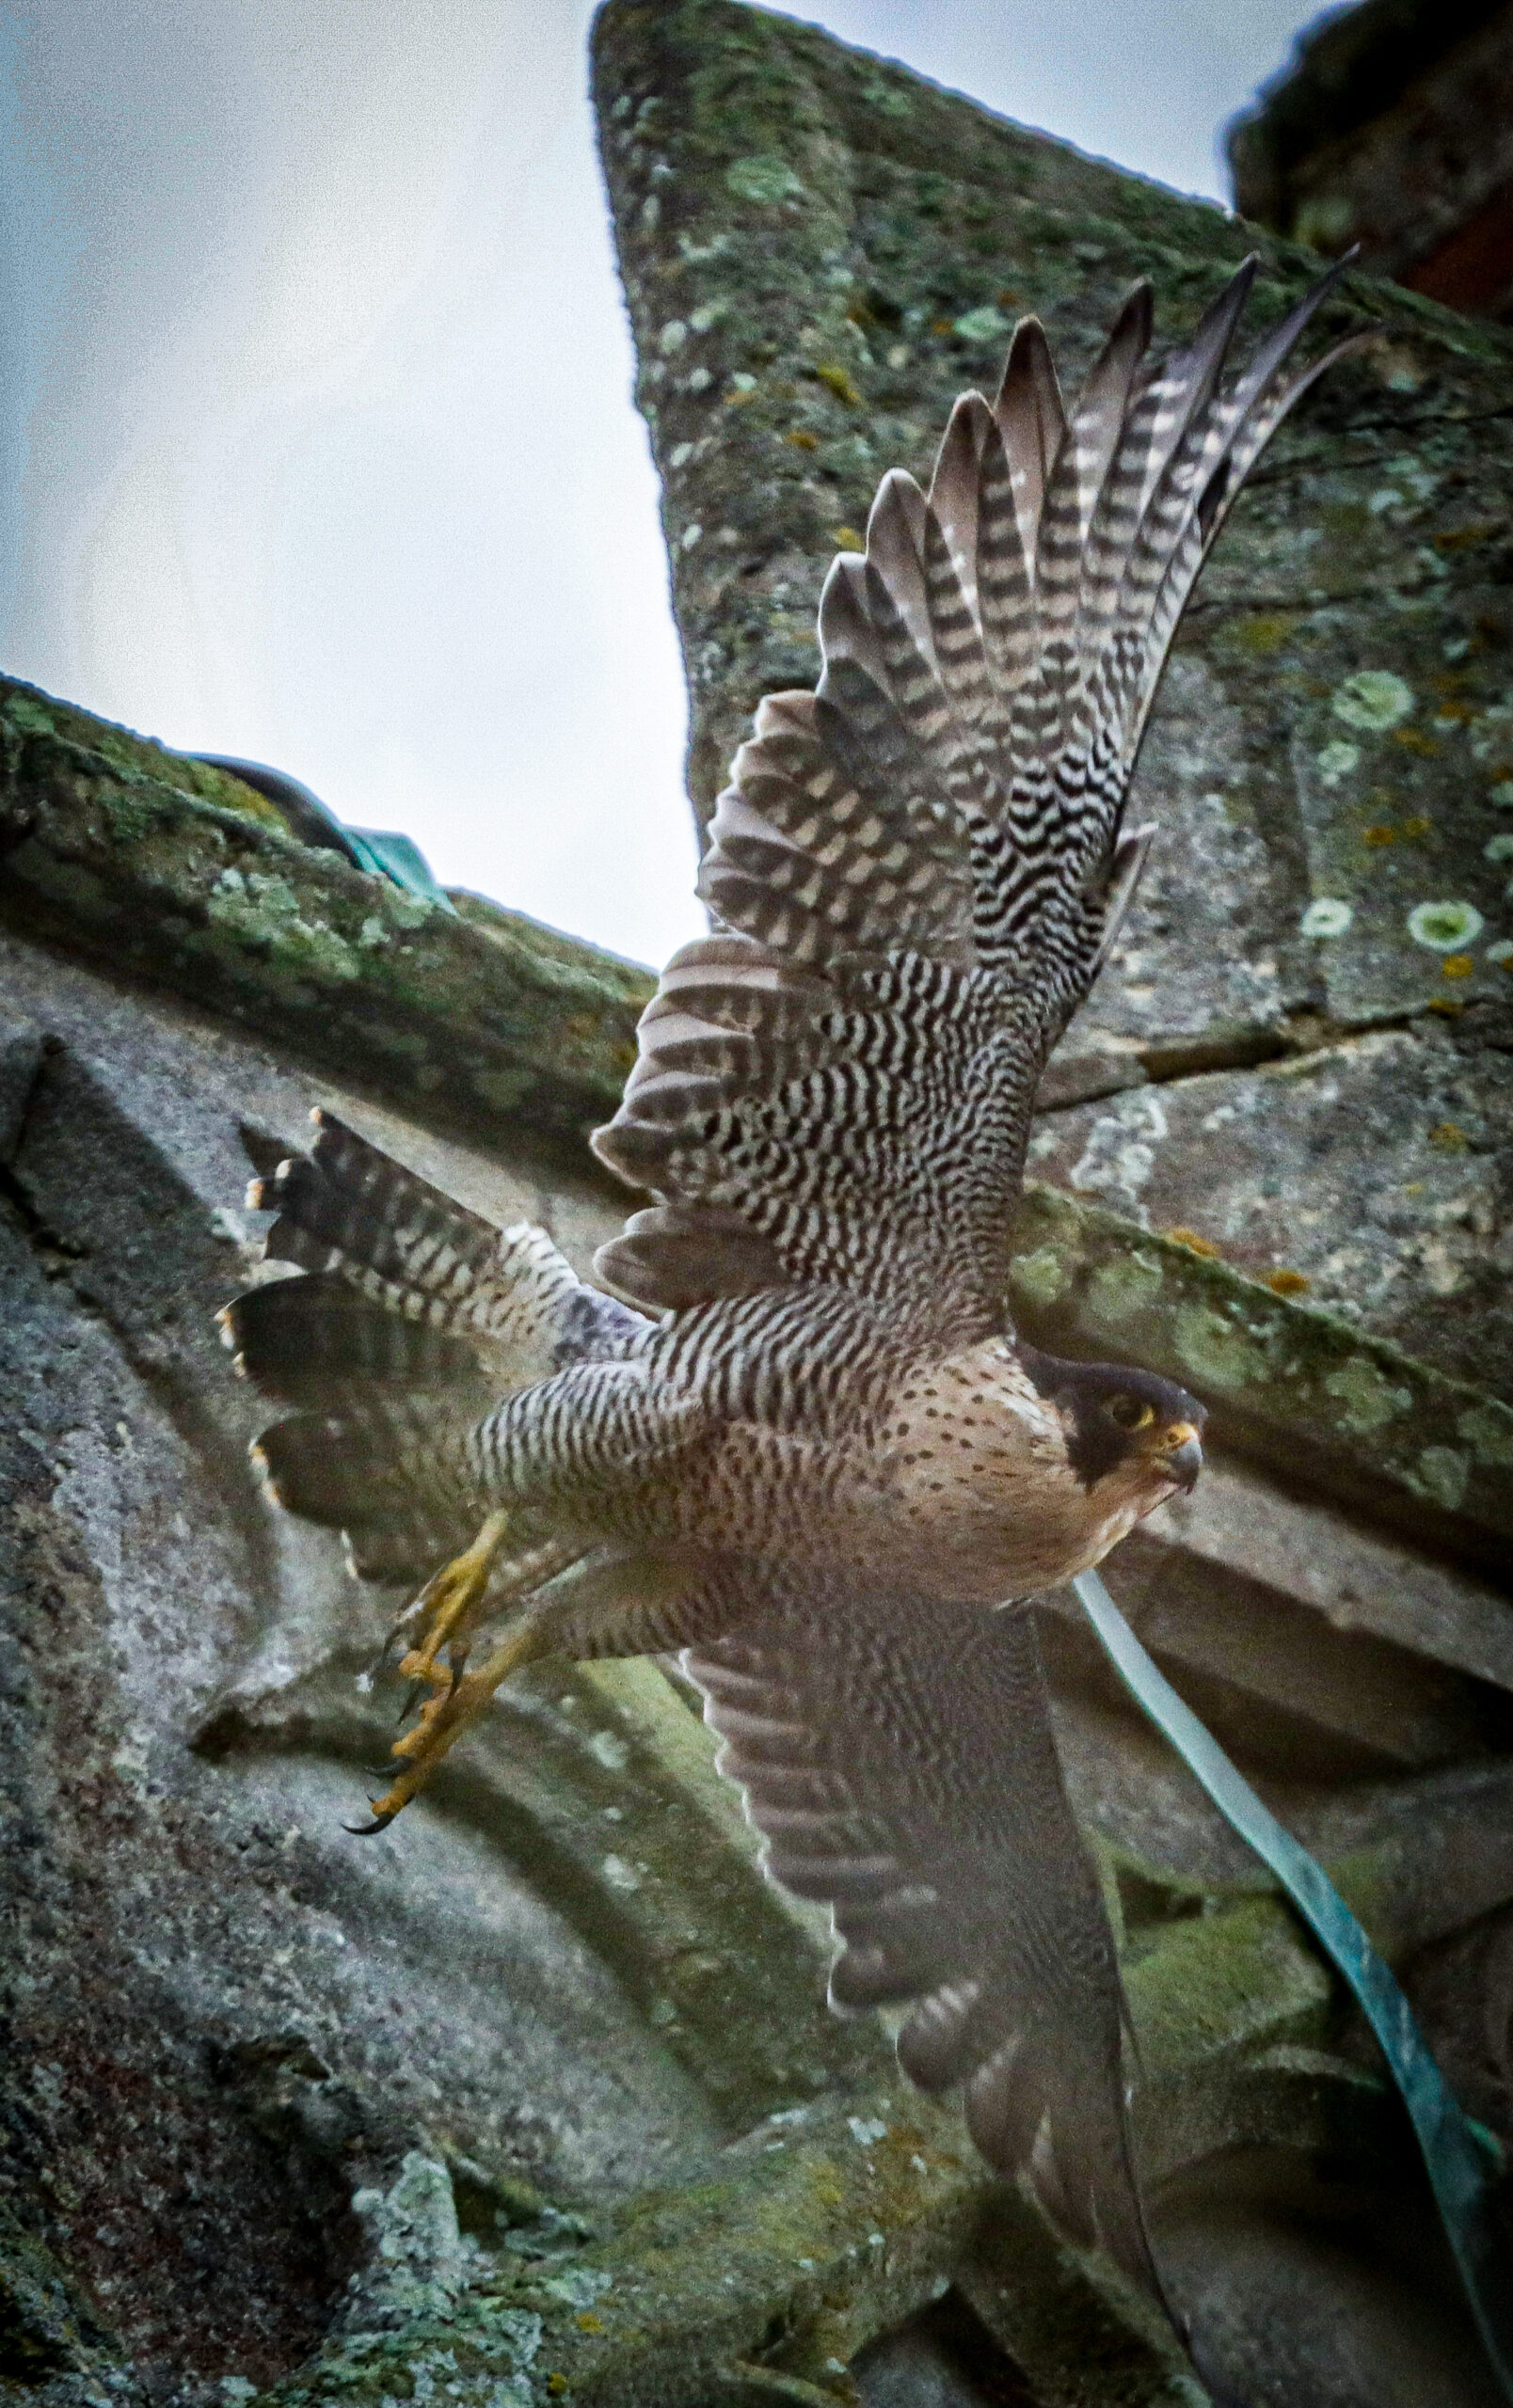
[366,1830]
[397,1633]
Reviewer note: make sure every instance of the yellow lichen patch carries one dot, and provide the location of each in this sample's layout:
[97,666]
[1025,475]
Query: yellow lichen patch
[1448,1137]
[1457,965]
[1284,1282]
[802,439]
[1264,631]
[840,383]
[1194,1243]
[1461,711]
[1416,741]
[847,539]
[1419,825]
[587,2323]
[1448,1007]
[1380,834]
[1454,538]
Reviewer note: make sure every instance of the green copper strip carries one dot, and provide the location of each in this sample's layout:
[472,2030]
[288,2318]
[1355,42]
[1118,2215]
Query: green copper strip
[401,859]
[1456,2169]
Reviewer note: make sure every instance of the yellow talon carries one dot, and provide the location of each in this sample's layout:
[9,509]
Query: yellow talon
[452,1597]
[449,1605]
[442,1716]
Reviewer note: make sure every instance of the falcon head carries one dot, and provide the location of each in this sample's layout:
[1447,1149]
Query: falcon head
[1127,1432]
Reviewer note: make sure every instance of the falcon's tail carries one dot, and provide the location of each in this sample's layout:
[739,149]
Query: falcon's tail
[414,1315]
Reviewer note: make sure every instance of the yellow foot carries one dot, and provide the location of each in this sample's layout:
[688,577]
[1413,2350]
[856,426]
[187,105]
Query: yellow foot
[442,1716]
[448,1605]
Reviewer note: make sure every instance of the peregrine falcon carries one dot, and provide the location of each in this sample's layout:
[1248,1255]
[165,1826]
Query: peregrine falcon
[799,1439]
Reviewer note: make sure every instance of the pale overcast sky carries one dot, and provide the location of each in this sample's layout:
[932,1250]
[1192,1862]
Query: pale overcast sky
[295,293]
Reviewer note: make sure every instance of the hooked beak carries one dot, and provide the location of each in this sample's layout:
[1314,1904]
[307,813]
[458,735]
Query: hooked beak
[1182,1455]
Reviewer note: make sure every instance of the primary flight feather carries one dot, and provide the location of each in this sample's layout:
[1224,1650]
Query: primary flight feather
[801,1441]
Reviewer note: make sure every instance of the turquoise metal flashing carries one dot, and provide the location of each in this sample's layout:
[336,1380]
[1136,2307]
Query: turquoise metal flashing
[1456,2166]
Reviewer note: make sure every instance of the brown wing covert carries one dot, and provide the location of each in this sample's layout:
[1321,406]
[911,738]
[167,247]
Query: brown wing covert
[916,869]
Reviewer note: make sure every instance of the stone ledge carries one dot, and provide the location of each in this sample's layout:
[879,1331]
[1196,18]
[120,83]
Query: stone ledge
[117,849]
[1317,1401]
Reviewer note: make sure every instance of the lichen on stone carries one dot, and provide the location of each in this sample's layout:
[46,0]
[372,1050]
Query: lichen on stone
[1444,928]
[1374,700]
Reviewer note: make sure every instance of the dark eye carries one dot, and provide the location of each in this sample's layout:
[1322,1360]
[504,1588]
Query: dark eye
[1129,1412]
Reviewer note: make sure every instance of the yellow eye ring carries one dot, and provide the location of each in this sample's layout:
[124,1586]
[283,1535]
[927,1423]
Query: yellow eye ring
[1130,1412]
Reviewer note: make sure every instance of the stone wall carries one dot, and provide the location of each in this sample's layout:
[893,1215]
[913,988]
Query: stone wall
[535,2096]
[1392,128]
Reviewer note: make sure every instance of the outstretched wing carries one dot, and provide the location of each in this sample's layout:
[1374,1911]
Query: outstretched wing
[917,867]
[898,1759]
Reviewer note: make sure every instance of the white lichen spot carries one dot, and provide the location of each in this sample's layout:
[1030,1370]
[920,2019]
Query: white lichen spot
[682,453]
[699,382]
[742,382]
[1420,480]
[1500,953]
[1373,699]
[864,2132]
[1501,796]
[690,535]
[1492,734]
[620,1875]
[1498,848]
[672,337]
[577,2285]
[898,355]
[1327,915]
[886,97]
[610,1750]
[1386,498]
[1454,648]
[1444,928]
[984,326]
[1487,1429]
[1337,760]
[708,314]
[765,178]
[650,211]
[1444,1473]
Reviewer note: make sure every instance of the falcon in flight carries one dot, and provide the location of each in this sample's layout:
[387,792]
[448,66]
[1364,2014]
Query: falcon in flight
[800,1440]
